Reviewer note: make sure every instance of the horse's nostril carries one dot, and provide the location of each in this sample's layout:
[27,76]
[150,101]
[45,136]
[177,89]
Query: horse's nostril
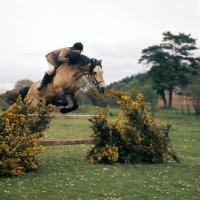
[102,90]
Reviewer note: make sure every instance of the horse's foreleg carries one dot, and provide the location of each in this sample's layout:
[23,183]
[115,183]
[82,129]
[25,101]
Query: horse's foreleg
[74,107]
[61,94]
[75,103]
[55,102]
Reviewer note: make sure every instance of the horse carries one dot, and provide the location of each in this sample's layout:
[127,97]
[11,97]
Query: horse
[67,81]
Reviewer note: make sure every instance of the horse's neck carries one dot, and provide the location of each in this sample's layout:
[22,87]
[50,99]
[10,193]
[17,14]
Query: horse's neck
[73,70]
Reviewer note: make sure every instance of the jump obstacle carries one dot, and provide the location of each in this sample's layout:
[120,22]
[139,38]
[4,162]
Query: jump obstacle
[70,116]
[68,141]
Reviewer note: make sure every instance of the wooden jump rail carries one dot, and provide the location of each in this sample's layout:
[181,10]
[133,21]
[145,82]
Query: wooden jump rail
[70,116]
[68,141]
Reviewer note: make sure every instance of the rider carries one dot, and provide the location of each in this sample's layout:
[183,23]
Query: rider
[55,58]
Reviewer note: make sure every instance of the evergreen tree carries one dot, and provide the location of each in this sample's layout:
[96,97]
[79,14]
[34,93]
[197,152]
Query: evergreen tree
[171,63]
[182,63]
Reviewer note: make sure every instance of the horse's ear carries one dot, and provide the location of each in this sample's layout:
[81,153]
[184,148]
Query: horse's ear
[100,61]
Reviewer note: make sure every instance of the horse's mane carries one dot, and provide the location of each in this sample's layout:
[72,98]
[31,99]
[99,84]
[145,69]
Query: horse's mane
[75,58]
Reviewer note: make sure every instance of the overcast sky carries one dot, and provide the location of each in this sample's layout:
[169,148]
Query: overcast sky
[115,31]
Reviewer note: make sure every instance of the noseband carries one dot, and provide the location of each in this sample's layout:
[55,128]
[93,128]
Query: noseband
[93,83]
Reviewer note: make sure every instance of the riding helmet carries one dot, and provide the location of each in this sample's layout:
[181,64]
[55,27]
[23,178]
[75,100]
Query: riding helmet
[78,46]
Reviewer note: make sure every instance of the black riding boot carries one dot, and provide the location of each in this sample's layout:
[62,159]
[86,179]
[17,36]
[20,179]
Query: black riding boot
[44,81]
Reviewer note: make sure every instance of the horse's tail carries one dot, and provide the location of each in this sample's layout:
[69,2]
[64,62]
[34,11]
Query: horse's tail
[23,92]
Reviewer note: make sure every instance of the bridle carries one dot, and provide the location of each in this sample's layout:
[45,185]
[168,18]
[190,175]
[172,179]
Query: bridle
[93,83]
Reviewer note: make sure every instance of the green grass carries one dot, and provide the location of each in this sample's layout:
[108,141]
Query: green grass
[65,175]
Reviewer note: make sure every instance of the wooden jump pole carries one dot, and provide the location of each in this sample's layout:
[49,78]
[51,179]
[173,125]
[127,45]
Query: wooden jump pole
[70,116]
[67,142]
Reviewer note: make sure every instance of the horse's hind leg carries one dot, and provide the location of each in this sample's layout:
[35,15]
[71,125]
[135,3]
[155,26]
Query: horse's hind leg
[23,92]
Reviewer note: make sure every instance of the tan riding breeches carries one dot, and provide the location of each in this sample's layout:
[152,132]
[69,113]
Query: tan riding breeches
[51,69]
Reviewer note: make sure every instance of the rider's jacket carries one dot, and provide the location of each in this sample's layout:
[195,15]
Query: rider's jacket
[58,56]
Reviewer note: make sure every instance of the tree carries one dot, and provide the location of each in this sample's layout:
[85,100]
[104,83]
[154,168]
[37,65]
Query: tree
[180,47]
[22,83]
[122,86]
[171,63]
[193,92]
[154,56]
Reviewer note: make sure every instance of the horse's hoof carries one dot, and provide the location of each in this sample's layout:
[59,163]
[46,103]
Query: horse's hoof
[63,110]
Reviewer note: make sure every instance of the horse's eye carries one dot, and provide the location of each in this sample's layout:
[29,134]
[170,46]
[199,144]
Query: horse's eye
[94,73]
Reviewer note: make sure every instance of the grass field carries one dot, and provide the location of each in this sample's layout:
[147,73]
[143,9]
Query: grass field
[65,175]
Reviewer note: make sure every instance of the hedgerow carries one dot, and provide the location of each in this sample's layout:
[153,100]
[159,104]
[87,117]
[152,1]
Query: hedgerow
[19,134]
[134,137]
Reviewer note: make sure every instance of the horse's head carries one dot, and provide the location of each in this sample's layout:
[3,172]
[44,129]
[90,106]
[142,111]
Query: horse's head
[96,75]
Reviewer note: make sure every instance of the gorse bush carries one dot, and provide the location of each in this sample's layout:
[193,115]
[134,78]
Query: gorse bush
[134,137]
[19,134]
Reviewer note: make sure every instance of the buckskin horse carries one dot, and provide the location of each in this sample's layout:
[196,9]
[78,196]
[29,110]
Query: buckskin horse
[67,81]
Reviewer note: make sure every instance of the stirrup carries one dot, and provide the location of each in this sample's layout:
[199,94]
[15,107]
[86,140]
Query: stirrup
[39,88]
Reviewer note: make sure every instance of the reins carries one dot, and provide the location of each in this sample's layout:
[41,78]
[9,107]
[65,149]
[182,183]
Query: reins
[91,82]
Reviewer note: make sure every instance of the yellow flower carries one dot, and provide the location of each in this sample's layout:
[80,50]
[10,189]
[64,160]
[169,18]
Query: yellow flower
[140,97]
